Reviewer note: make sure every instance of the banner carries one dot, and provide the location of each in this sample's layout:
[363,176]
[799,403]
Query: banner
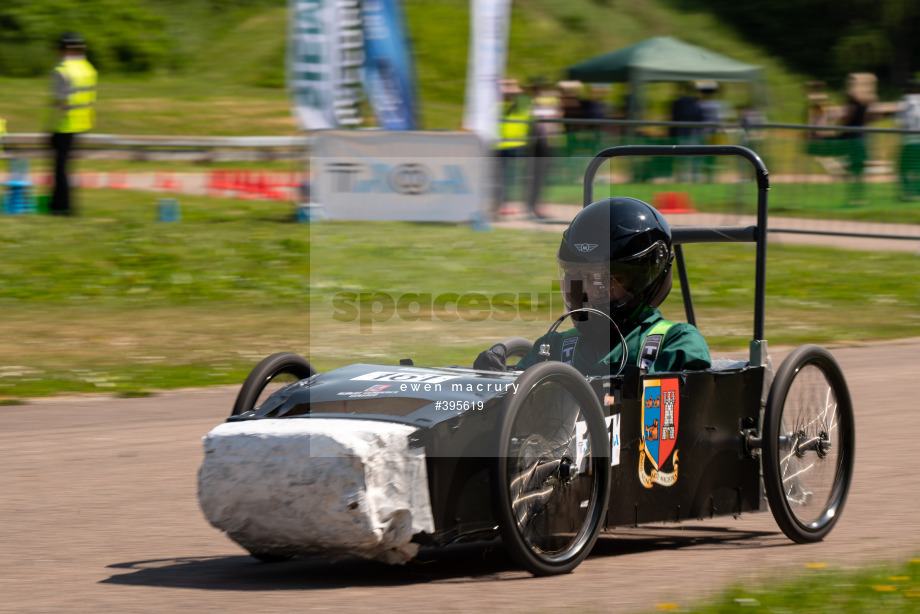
[403,175]
[325,56]
[489,24]
[389,79]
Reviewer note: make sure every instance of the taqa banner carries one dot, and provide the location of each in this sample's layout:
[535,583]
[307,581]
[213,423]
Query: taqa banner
[399,175]
[389,75]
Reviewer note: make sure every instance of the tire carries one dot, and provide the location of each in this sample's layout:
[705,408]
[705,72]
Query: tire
[808,444]
[516,347]
[550,500]
[272,373]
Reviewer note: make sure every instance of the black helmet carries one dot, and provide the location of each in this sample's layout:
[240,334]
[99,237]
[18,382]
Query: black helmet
[71,40]
[615,256]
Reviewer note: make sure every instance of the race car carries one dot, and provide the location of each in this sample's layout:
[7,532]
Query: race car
[377,460]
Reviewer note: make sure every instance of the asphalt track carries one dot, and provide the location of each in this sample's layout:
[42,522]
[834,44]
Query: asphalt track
[99,514]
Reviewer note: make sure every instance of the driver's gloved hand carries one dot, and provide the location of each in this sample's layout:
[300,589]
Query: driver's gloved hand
[492,359]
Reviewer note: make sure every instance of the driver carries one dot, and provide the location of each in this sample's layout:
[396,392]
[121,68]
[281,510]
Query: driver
[615,258]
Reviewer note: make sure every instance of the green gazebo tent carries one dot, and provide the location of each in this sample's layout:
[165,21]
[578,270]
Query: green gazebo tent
[663,58]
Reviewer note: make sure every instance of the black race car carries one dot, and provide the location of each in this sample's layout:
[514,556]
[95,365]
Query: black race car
[377,460]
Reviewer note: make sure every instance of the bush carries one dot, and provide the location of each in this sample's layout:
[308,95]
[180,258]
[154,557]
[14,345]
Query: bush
[129,38]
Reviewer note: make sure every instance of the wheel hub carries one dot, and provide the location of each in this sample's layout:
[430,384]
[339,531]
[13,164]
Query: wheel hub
[568,470]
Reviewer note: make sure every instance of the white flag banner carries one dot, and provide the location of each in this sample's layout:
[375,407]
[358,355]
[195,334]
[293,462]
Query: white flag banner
[325,55]
[490,21]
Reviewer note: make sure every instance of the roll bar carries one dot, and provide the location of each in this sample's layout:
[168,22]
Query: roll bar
[708,234]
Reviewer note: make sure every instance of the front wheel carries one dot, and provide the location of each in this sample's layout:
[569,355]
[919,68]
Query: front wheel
[551,476]
[271,374]
[808,444]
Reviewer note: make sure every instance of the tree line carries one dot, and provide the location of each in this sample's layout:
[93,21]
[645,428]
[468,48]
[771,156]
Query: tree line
[826,39]
[823,39]
[127,36]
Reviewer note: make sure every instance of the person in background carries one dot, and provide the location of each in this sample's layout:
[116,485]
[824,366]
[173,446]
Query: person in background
[595,105]
[909,119]
[72,111]
[860,91]
[545,106]
[511,149]
[817,108]
[686,108]
[570,103]
[750,119]
[715,111]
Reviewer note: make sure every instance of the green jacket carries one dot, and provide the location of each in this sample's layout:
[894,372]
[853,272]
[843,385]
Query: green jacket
[683,348]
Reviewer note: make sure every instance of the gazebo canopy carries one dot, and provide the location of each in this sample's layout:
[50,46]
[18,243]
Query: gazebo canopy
[662,58]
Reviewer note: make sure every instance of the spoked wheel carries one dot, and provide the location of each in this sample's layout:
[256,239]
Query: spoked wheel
[808,444]
[271,374]
[552,473]
[516,348]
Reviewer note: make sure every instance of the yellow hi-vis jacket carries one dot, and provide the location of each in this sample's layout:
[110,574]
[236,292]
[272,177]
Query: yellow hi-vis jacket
[514,126]
[79,95]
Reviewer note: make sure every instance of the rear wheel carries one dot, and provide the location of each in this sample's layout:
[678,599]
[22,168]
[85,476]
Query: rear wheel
[552,472]
[808,444]
[271,374]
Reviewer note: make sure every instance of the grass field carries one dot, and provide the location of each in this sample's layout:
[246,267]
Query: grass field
[818,589]
[112,300]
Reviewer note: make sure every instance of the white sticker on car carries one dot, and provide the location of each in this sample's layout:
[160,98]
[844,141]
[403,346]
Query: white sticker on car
[403,376]
[613,429]
[581,442]
[581,446]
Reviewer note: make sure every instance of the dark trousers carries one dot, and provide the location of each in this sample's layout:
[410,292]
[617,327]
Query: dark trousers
[538,169]
[61,144]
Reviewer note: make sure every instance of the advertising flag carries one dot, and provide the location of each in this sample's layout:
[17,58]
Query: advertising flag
[489,24]
[389,75]
[325,56]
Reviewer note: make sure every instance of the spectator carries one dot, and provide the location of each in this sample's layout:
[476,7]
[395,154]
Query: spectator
[512,147]
[72,111]
[860,90]
[909,119]
[715,111]
[820,142]
[750,120]
[686,108]
[594,106]
[710,106]
[816,107]
[570,99]
[545,105]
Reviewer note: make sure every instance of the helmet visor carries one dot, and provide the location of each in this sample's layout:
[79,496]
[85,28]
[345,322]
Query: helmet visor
[592,285]
[610,283]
